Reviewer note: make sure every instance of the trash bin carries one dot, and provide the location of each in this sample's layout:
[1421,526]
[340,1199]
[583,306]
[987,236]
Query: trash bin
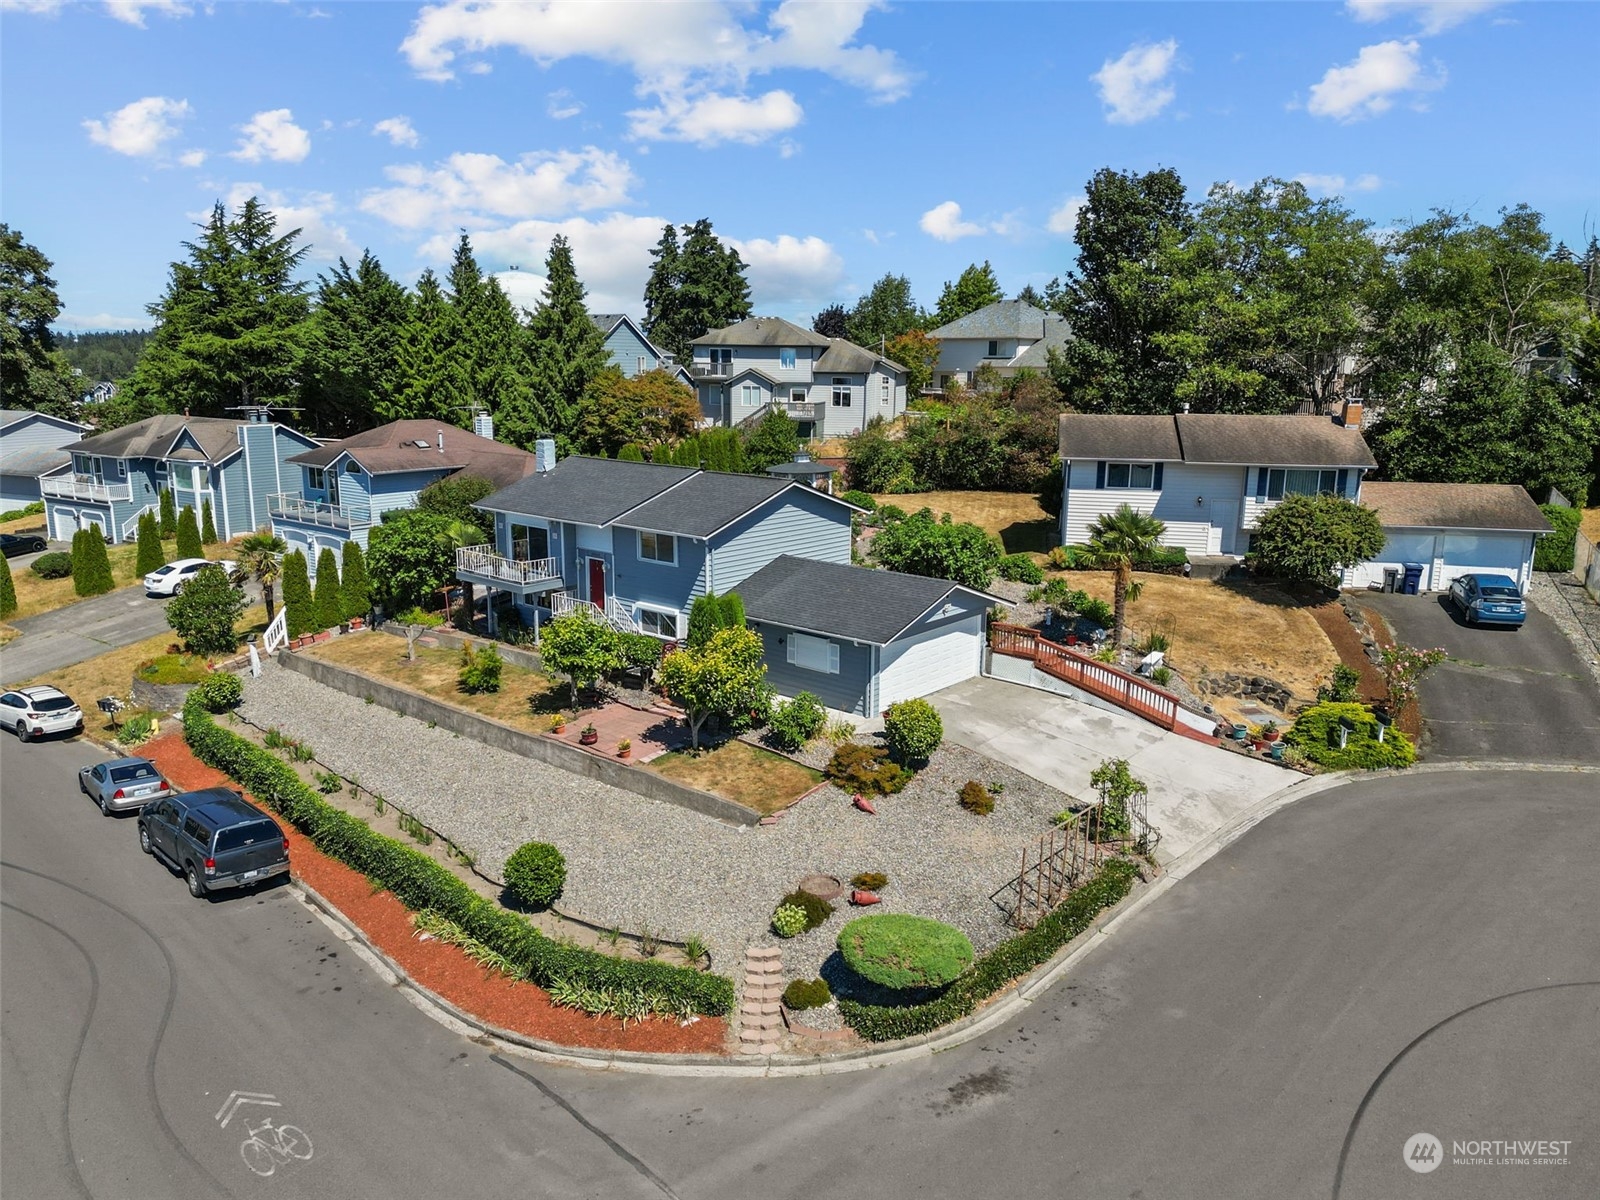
[1413,582]
[1391,579]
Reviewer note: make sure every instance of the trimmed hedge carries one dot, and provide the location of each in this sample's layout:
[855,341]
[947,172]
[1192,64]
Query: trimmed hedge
[1009,960]
[535,874]
[55,565]
[1316,732]
[901,951]
[1555,551]
[421,883]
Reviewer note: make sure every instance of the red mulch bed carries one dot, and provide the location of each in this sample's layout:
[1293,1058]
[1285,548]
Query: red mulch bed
[1347,642]
[442,968]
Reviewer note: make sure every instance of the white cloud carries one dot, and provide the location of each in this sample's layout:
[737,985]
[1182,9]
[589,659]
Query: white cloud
[694,60]
[1367,86]
[559,105]
[790,274]
[466,187]
[1433,16]
[313,213]
[192,158]
[97,321]
[1134,87]
[132,11]
[1065,218]
[398,130]
[274,136]
[139,129]
[1331,185]
[943,221]
[712,118]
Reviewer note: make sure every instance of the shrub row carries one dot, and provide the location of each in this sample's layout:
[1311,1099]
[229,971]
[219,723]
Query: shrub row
[1012,958]
[421,884]
[1557,551]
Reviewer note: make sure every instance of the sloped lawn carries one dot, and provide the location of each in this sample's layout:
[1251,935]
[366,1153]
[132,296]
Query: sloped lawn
[745,774]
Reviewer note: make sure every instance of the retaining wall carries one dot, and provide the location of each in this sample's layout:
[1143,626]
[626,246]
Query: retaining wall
[639,780]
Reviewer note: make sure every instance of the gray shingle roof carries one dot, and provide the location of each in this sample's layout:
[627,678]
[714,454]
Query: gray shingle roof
[704,504]
[10,416]
[606,322]
[1215,438]
[858,603]
[33,462]
[761,331]
[1003,319]
[1454,506]
[1057,333]
[151,437]
[587,491]
[847,356]
[1098,436]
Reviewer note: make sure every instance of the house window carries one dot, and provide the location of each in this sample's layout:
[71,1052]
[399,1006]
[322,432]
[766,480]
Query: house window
[658,547]
[640,369]
[841,392]
[1131,475]
[885,391]
[352,467]
[786,359]
[1283,482]
[315,480]
[656,622]
[161,466]
[994,350]
[813,653]
[750,394]
[122,469]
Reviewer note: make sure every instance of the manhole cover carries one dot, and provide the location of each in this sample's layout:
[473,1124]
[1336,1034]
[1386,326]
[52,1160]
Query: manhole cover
[823,887]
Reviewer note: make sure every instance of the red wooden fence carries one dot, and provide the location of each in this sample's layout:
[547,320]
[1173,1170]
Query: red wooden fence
[1097,678]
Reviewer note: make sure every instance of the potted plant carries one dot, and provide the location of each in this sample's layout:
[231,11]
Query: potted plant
[1258,737]
[588,735]
[1269,731]
[624,748]
[558,723]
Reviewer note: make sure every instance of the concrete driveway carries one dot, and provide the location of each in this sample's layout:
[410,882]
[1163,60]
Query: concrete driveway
[1516,695]
[1194,788]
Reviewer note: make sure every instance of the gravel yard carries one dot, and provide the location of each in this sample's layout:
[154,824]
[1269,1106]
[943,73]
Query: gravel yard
[645,865]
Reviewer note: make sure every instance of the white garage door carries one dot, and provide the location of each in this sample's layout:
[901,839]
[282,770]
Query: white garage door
[1465,554]
[926,662]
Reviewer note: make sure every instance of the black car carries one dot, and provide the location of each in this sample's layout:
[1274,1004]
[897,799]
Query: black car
[13,544]
[215,837]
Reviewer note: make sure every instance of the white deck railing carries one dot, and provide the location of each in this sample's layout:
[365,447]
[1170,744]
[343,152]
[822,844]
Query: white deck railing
[292,507]
[82,487]
[484,562]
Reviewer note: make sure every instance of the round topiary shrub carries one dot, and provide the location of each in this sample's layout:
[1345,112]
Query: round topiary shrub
[55,565]
[817,909]
[807,993]
[535,874]
[899,951]
[220,692]
[912,730]
[788,920]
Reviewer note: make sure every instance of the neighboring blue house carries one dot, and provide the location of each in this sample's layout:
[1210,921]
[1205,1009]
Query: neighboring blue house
[631,351]
[31,444]
[115,476]
[345,487]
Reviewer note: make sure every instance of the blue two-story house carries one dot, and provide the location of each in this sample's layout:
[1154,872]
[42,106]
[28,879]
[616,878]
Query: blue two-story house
[337,491]
[114,477]
[631,351]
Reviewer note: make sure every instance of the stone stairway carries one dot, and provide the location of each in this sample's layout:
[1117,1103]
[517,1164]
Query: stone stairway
[760,1022]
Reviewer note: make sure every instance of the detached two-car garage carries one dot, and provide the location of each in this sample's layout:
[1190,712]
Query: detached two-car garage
[1452,529]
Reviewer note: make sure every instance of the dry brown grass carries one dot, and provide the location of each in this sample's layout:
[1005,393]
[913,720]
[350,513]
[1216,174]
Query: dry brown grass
[36,595]
[33,523]
[1014,517]
[745,774]
[1591,525]
[434,674]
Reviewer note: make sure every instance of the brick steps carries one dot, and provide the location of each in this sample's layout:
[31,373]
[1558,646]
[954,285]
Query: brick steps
[760,1018]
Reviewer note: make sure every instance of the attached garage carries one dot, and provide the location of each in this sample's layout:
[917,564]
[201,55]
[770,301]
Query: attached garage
[861,640]
[1452,529]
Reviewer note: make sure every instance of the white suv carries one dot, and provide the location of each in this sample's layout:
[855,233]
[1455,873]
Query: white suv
[34,711]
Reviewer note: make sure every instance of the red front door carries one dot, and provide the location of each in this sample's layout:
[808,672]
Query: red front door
[597,582]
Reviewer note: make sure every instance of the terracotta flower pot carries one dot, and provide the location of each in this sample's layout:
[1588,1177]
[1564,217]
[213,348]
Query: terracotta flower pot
[1260,744]
[864,804]
[1273,736]
[862,898]
[558,730]
[624,753]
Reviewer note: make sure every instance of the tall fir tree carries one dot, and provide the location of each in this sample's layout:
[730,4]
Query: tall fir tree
[33,372]
[151,554]
[432,376]
[189,544]
[298,604]
[885,312]
[974,288]
[694,287]
[493,349]
[566,350]
[91,567]
[353,374]
[355,591]
[169,514]
[8,590]
[208,527]
[661,294]
[325,600]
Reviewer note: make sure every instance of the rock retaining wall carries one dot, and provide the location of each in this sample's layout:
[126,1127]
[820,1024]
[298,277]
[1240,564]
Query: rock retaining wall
[1254,687]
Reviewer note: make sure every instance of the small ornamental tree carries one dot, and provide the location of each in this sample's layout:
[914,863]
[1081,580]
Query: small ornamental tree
[169,514]
[152,554]
[723,678]
[1403,667]
[409,558]
[581,648]
[775,439]
[912,730]
[1118,788]
[940,549]
[1310,539]
[8,590]
[189,544]
[261,558]
[297,598]
[204,611]
[78,573]
[355,592]
[325,599]
[208,527]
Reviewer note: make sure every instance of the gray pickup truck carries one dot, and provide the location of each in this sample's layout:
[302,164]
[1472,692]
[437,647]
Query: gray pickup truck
[215,837]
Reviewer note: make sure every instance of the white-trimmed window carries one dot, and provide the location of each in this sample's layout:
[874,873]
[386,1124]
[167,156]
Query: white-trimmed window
[750,394]
[786,359]
[1283,482]
[1131,475]
[841,392]
[994,350]
[315,480]
[885,391]
[640,369]
[122,468]
[657,622]
[352,467]
[813,653]
[658,547]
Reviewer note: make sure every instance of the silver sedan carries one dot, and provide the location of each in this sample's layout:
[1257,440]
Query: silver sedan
[123,784]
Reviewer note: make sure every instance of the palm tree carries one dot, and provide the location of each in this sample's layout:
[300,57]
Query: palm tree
[458,535]
[1116,542]
[261,558]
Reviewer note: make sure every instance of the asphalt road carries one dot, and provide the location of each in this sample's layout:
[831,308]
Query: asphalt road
[1389,958]
[1511,695]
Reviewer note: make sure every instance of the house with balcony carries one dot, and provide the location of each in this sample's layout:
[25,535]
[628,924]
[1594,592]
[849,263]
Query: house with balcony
[828,386]
[114,477]
[337,491]
[631,351]
[1008,336]
[32,444]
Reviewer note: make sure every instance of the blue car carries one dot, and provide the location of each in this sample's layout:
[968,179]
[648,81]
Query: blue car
[1489,600]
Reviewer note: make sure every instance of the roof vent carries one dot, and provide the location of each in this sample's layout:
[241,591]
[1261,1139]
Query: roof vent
[420,444]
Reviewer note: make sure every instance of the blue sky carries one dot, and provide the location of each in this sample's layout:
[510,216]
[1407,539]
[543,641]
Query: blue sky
[831,142]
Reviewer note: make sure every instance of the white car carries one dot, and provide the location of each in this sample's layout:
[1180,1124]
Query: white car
[32,712]
[165,581]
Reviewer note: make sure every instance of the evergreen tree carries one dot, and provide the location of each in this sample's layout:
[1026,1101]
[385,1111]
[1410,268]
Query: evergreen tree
[353,373]
[94,577]
[151,555]
[169,514]
[492,345]
[208,527]
[887,311]
[974,288]
[774,440]
[662,453]
[189,545]
[233,323]
[355,592]
[694,289]
[79,575]
[33,372]
[832,322]
[326,601]
[8,590]
[431,369]
[632,452]
[661,295]
[566,351]
[297,598]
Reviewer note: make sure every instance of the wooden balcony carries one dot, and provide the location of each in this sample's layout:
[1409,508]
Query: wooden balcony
[482,564]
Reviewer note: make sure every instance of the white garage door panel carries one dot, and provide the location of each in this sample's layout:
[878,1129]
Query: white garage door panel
[1408,547]
[929,661]
[1465,554]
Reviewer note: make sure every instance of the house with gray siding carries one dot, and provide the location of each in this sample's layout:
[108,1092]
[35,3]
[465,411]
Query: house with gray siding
[1007,336]
[31,444]
[828,386]
[114,477]
[631,351]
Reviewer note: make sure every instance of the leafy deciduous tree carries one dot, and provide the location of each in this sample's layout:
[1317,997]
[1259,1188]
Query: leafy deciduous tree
[774,439]
[580,647]
[409,559]
[723,678]
[646,410]
[204,611]
[1310,539]
[939,549]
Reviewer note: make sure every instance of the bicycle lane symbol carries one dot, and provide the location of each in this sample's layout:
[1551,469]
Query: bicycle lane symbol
[268,1146]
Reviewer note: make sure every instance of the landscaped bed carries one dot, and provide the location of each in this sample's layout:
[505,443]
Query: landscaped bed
[742,773]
